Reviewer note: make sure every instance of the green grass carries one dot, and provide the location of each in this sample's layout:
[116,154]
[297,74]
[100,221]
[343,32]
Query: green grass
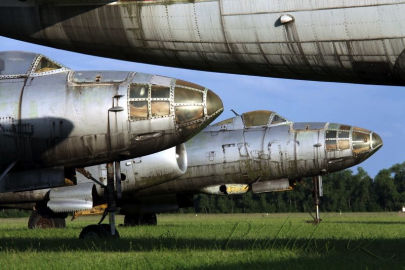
[240,241]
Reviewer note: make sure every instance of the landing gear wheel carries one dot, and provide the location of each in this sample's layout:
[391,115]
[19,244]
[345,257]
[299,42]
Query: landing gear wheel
[37,220]
[97,232]
[131,220]
[150,219]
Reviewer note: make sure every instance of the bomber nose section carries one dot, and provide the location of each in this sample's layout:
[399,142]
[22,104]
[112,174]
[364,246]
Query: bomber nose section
[195,107]
[364,143]
[347,146]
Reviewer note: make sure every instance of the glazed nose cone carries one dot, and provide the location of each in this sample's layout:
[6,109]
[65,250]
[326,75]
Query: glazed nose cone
[376,141]
[195,107]
[214,103]
[364,143]
[347,146]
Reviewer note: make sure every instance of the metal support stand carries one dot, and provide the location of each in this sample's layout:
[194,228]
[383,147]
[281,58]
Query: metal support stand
[110,190]
[317,192]
[118,179]
[113,186]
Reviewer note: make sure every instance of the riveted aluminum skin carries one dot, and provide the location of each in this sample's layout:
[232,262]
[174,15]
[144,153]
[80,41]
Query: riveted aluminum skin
[232,153]
[331,40]
[258,150]
[51,116]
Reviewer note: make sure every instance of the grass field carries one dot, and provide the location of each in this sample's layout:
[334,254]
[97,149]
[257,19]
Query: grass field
[240,241]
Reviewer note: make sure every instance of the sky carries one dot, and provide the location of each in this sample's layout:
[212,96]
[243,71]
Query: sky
[377,108]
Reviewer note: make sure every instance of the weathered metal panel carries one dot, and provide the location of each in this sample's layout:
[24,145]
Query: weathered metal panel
[58,117]
[99,76]
[328,40]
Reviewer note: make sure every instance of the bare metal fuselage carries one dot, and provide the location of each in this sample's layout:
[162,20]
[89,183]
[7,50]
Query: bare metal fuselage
[333,40]
[54,118]
[232,152]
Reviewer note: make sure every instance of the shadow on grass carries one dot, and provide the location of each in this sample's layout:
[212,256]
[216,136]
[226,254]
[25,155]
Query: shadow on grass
[383,248]
[368,222]
[327,261]
[305,253]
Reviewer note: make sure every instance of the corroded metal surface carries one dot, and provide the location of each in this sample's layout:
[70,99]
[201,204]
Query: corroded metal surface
[52,116]
[332,40]
[259,151]
[274,149]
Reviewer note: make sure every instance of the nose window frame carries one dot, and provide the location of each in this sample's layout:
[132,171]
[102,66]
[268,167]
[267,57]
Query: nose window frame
[152,112]
[337,138]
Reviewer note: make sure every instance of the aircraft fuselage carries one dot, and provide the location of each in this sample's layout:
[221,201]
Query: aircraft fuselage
[342,41]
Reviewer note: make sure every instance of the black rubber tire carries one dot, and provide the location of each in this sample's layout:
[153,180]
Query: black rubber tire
[149,219]
[37,221]
[95,231]
[132,220]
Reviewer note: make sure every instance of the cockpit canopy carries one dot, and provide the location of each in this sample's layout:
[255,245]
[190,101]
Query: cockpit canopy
[261,118]
[24,64]
[252,119]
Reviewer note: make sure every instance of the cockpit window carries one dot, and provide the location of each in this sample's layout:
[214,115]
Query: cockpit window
[256,118]
[46,65]
[277,119]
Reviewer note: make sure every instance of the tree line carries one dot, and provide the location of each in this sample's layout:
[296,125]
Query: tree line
[343,191]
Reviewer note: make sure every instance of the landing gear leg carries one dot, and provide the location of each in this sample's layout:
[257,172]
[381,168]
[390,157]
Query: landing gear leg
[317,192]
[104,230]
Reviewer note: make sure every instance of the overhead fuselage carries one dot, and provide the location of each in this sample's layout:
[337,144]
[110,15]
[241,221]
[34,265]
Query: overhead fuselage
[342,41]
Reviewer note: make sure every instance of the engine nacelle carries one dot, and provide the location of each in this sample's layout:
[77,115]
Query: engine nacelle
[143,172]
[154,169]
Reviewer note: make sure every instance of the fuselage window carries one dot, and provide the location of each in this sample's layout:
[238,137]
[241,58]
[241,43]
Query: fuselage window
[146,102]
[138,91]
[160,108]
[138,110]
[337,139]
[159,91]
